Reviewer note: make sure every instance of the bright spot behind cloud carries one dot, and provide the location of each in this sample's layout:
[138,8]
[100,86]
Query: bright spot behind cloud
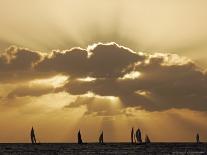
[87,79]
[55,81]
[131,75]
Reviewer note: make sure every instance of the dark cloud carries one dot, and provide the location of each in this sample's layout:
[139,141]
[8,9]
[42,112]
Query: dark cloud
[102,61]
[16,64]
[72,62]
[166,81]
[111,60]
[18,59]
[163,84]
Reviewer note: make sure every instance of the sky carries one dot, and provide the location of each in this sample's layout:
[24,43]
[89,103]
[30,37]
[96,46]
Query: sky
[106,65]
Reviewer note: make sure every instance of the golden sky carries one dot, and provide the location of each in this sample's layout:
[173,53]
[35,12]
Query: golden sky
[104,65]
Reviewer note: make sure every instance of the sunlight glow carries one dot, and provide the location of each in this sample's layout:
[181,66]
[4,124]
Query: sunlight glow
[56,81]
[143,93]
[87,79]
[111,98]
[131,75]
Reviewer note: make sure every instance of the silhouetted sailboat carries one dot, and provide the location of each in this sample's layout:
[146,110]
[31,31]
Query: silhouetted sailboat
[197,138]
[79,138]
[101,138]
[32,135]
[138,136]
[132,135]
[147,140]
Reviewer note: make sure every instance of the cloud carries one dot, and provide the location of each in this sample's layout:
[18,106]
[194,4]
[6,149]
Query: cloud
[99,61]
[35,90]
[16,64]
[18,59]
[166,81]
[96,105]
[152,82]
